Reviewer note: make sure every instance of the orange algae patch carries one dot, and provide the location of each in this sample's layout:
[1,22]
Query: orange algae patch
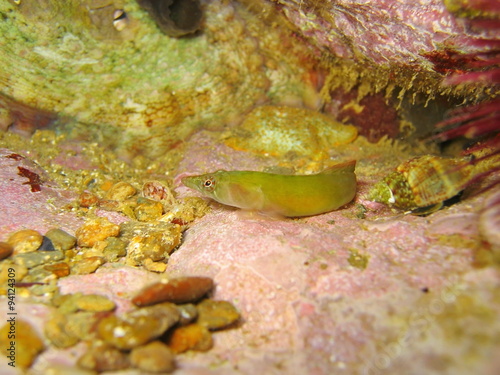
[279,131]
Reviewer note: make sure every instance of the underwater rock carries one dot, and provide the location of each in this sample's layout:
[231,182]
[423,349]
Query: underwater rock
[174,17]
[281,131]
[136,88]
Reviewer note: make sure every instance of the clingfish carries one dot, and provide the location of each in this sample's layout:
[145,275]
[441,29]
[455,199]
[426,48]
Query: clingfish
[285,195]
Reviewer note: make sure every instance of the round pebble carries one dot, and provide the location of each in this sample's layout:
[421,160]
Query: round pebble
[188,313]
[59,269]
[6,250]
[55,331]
[216,314]
[190,337]
[95,303]
[121,191]
[148,210]
[103,357]
[25,241]
[153,357]
[28,344]
[154,241]
[60,239]
[95,230]
[87,265]
[114,249]
[157,191]
[178,290]
[87,200]
[30,260]
[137,327]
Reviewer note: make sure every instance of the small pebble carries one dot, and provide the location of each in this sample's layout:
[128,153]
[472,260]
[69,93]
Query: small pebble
[188,313]
[44,289]
[177,290]
[87,265]
[27,344]
[154,241]
[114,249]
[87,200]
[25,241]
[6,250]
[138,327]
[82,324]
[190,337]
[153,357]
[102,357]
[216,314]
[30,260]
[121,191]
[95,303]
[46,245]
[59,269]
[55,331]
[94,230]
[60,239]
[158,267]
[148,210]
[39,275]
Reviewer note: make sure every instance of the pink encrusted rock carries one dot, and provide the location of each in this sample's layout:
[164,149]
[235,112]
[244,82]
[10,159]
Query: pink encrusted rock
[30,204]
[309,306]
[385,31]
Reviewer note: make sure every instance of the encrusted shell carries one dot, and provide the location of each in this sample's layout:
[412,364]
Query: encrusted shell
[423,181]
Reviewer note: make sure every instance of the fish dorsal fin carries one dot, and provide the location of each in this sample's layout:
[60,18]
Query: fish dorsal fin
[348,166]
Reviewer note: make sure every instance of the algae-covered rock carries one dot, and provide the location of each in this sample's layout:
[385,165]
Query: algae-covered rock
[284,131]
[107,63]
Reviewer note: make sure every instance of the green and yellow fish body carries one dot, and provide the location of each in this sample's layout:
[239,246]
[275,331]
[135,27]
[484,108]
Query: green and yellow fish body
[286,195]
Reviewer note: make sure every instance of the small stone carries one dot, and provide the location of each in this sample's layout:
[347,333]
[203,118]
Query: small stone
[44,289]
[216,314]
[25,241]
[138,327]
[177,290]
[87,199]
[121,191]
[188,313]
[60,239]
[55,331]
[27,343]
[6,250]
[96,230]
[151,266]
[190,337]
[153,241]
[46,245]
[82,324]
[103,357]
[153,357]
[30,260]
[95,303]
[87,265]
[59,269]
[148,210]
[39,275]
[66,303]
[114,249]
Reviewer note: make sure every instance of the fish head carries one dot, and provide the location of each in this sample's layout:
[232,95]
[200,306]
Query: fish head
[206,184]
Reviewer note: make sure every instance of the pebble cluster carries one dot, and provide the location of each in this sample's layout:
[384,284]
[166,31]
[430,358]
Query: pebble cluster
[170,317]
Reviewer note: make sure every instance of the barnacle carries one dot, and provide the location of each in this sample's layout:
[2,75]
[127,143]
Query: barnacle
[174,17]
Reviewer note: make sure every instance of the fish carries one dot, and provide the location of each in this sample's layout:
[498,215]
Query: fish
[279,194]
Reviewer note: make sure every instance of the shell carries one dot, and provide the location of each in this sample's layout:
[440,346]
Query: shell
[423,182]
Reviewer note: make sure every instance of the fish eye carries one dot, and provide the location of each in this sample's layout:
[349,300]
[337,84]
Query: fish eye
[209,184]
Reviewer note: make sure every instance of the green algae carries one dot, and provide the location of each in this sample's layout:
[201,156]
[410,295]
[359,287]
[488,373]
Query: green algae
[357,259]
